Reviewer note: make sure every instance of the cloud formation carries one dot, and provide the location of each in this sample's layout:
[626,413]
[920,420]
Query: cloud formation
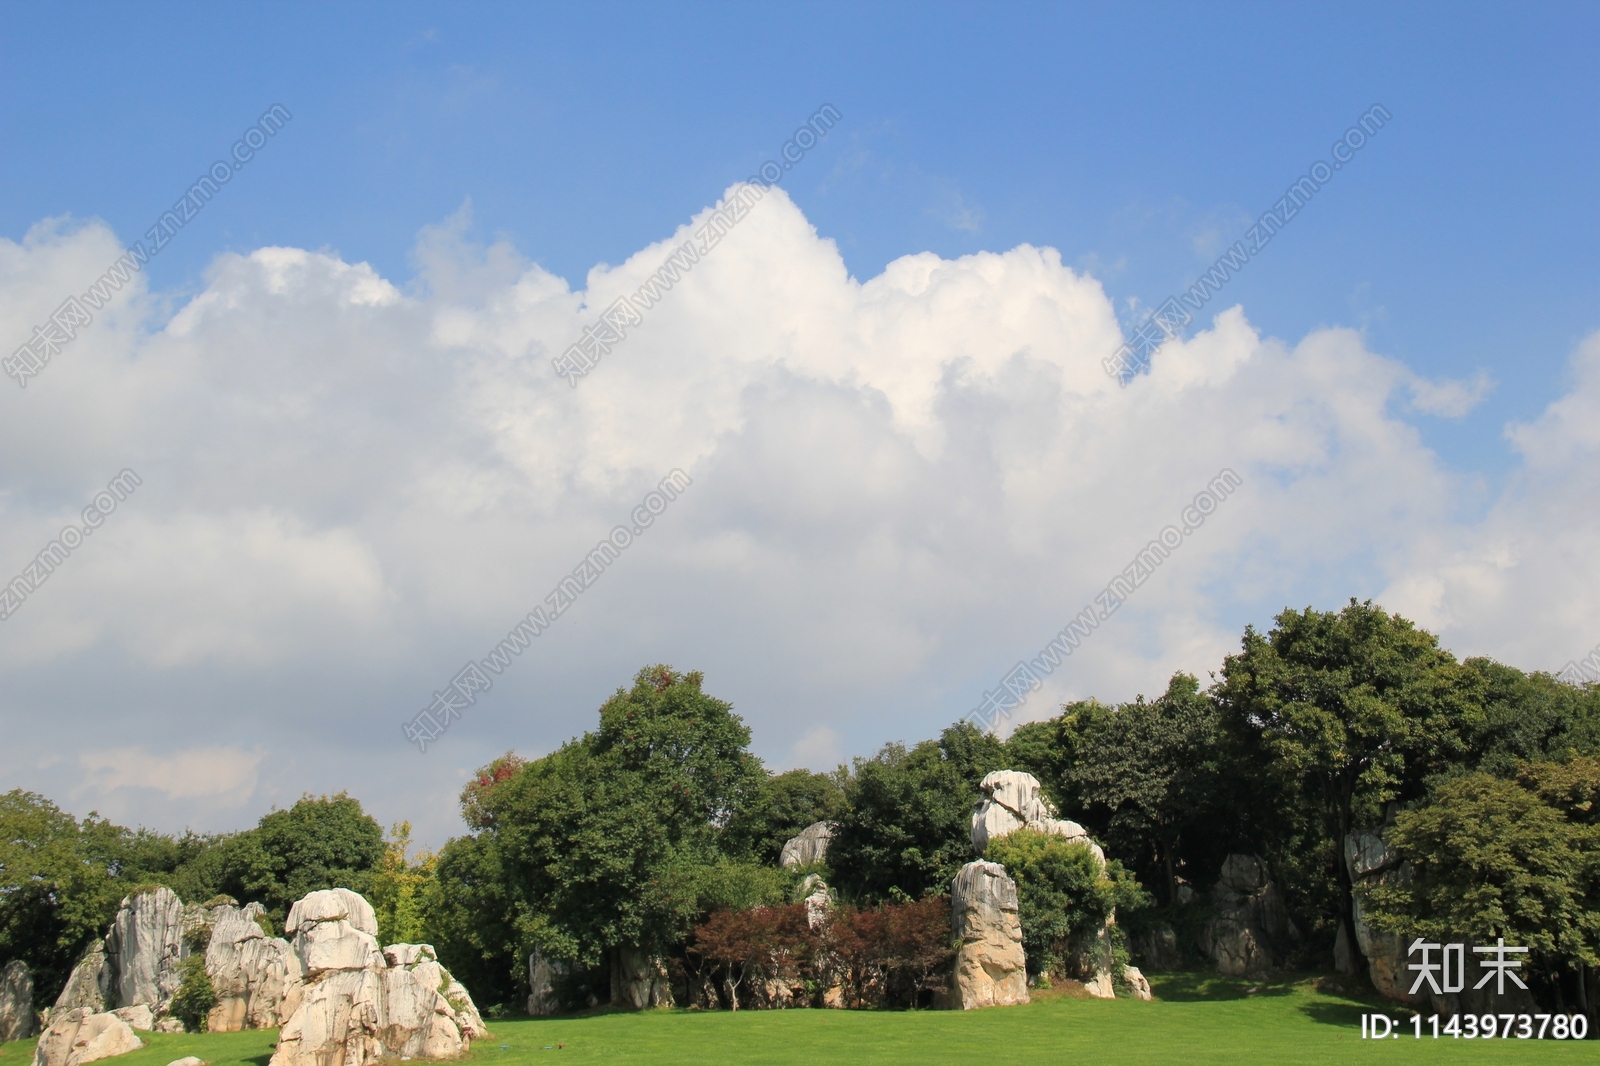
[901,487]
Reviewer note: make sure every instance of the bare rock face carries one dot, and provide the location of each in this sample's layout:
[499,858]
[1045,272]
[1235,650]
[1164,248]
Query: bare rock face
[16,1001]
[334,929]
[138,1016]
[1251,925]
[422,962]
[1011,801]
[639,980]
[542,1001]
[355,1007]
[88,984]
[77,1036]
[809,848]
[256,977]
[1158,948]
[1137,983]
[143,950]
[818,898]
[1371,862]
[991,968]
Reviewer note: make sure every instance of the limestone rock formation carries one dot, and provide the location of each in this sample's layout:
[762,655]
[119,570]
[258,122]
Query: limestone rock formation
[1137,982]
[422,962]
[139,1016]
[1158,948]
[1370,862]
[991,968]
[188,1060]
[256,977]
[542,1000]
[356,1008]
[77,1036]
[1250,929]
[1011,801]
[334,929]
[818,898]
[143,950]
[88,984]
[639,980]
[16,1001]
[809,848]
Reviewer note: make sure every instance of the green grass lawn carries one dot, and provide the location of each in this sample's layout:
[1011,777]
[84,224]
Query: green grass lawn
[1197,1019]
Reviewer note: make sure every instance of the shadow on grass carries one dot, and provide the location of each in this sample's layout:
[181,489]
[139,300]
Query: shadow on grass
[1212,987]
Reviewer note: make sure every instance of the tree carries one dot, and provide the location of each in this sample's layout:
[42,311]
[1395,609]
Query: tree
[1492,858]
[1064,896]
[1358,706]
[399,890]
[1147,773]
[759,942]
[908,826]
[783,805]
[608,842]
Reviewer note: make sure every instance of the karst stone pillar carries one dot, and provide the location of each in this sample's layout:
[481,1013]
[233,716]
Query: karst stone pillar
[991,969]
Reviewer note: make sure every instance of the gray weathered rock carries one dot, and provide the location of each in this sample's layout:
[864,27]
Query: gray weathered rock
[189,1060]
[257,978]
[169,1025]
[422,962]
[991,968]
[638,980]
[1137,983]
[138,1016]
[542,1001]
[1250,929]
[89,983]
[144,949]
[77,1036]
[810,847]
[16,1001]
[1011,801]
[1370,863]
[1158,947]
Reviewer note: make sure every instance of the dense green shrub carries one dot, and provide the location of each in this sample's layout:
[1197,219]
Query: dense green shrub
[195,996]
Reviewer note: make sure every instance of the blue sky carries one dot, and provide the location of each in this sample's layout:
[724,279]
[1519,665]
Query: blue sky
[360,471]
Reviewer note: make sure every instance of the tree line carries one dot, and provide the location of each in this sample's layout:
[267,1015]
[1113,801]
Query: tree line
[658,829]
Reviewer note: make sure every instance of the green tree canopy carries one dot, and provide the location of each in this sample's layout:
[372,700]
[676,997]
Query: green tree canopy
[908,827]
[1357,706]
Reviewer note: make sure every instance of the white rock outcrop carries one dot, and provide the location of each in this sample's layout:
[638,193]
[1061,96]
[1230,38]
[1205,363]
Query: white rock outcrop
[139,1016]
[1137,983]
[818,898]
[88,984]
[77,1036]
[16,1001]
[256,977]
[991,967]
[144,949]
[422,962]
[1011,801]
[356,1008]
[809,847]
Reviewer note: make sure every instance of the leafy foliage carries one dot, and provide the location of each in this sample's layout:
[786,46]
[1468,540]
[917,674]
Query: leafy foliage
[195,997]
[907,829]
[1492,858]
[1063,898]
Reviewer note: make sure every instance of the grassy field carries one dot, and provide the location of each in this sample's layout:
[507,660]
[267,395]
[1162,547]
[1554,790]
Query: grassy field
[1197,1020]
